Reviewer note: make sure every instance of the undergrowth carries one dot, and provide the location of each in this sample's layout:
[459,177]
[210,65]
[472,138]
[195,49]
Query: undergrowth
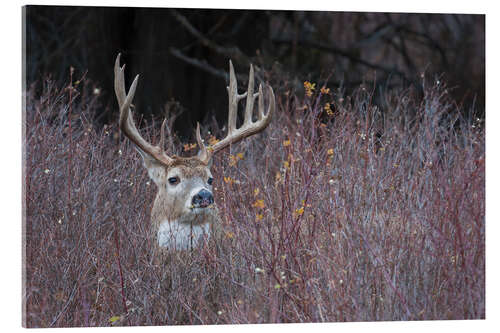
[341,210]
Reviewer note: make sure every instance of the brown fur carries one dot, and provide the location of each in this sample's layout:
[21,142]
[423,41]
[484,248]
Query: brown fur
[178,203]
[170,205]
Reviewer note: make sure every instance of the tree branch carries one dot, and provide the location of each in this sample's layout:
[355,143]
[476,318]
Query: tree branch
[343,53]
[232,52]
[204,65]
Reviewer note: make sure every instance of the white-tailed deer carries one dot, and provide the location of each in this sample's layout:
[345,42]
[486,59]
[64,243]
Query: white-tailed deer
[183,212]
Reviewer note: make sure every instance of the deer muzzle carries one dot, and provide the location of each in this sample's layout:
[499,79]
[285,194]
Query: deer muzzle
[202,199]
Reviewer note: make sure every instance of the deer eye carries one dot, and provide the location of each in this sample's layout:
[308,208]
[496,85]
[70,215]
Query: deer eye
[210,181]
[174,180]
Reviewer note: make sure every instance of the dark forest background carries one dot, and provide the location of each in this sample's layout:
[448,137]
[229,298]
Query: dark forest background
[182,54]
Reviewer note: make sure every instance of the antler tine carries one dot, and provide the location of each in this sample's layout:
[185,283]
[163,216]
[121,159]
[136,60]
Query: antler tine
[234,98]
[260,113]
[203,154]
[119,81]
[250,97]
[161,145]
[249,127]
[127,124]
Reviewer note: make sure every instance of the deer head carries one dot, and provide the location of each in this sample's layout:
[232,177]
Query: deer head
[184,209]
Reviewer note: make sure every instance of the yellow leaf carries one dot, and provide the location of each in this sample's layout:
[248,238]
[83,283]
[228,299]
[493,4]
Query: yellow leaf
[232,160]
[212,140]
[328,109]
[278,177]
[189,146]
[309,87]
[259,204]
[114,319]
[299,211]
[330,151]
[240,156]
[286,143]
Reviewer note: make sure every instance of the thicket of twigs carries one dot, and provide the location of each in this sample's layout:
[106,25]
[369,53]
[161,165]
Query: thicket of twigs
[339,211]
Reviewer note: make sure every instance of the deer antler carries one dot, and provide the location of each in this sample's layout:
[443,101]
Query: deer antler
[127,124]
[249,127]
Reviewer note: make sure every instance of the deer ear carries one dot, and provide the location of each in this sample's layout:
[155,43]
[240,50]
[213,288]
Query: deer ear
[156,170]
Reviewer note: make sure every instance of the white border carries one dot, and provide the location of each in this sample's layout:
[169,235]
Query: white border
[423,6]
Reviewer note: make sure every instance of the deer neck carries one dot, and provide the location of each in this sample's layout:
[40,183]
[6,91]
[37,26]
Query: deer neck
[182,236]
[174,228]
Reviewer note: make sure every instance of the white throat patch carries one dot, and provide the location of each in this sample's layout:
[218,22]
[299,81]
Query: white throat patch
[182,236]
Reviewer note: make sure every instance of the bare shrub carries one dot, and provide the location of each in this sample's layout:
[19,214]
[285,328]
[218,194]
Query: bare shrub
[338,212]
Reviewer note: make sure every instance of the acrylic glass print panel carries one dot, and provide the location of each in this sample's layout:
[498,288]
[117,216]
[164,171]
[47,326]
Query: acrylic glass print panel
[337,173]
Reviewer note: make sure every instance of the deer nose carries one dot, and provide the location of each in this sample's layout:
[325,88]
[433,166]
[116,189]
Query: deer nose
[203,199]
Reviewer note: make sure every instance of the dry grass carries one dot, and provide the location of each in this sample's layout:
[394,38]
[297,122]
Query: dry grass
[361,215]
